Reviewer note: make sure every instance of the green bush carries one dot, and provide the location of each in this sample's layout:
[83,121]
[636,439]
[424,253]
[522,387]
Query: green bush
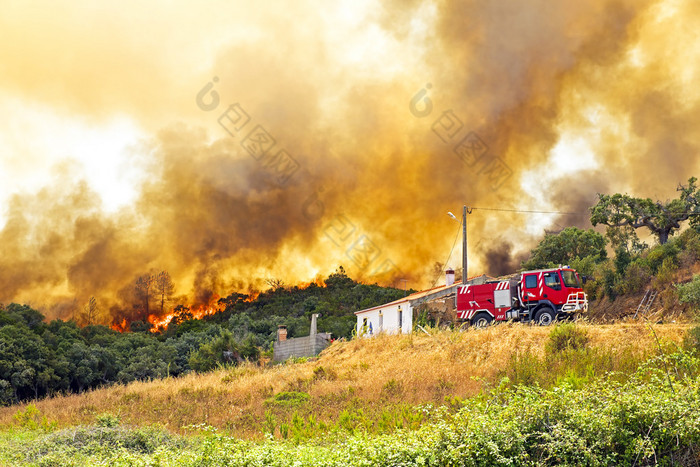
[107,420]
[637,277]
[622,259]
[690,292]
[566,336]
[691,341]
[610,282]
[32,418]
[288,399]
[689,243]
[656,256]
[665,274]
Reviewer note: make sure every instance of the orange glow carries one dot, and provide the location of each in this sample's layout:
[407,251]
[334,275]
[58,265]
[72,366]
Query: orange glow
[252,296]
[160,323]
[121,326]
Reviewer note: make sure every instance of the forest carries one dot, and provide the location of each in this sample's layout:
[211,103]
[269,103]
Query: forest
[39,358]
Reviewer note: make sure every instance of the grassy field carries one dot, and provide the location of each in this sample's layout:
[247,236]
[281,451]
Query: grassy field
[376,376]
[362,395]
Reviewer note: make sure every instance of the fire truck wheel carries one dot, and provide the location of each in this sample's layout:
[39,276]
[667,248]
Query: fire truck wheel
[481,320]
[544,317]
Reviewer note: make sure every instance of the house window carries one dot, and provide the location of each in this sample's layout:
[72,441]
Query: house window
[364,326]
[400,319]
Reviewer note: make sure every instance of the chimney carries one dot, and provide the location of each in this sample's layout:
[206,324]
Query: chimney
[450,276]
[312,333]
[313,330]
[281,333]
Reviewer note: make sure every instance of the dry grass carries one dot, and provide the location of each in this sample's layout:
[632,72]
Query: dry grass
[368,374]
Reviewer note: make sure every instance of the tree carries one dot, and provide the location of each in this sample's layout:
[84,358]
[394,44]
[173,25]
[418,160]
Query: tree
[274,283]
[144,292]
[339,280]
[662,219]
[220,350]
[89,312]
[164,288]
[562,248]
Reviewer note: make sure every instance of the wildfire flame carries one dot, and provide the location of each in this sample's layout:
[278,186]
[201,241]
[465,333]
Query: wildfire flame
[120,326]
[160,323]
[182,313]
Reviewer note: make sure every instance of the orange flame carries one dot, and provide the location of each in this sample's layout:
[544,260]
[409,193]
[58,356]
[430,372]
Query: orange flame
[252,296]
[122,326]
[160,323]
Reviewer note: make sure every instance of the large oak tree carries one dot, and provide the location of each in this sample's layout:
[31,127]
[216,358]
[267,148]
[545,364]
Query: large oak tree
[661,218]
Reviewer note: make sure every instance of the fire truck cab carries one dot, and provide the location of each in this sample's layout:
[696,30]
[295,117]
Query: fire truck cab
[539,296]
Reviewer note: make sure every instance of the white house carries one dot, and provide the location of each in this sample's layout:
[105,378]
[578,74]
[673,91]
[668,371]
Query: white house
[392,318]
[397,316]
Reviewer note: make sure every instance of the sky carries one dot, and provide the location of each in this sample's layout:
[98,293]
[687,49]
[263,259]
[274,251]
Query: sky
[231,143]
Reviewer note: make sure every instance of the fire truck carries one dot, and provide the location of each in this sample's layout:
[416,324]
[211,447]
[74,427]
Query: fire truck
[539,297]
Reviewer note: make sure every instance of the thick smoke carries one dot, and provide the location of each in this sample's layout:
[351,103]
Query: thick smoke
[371,166]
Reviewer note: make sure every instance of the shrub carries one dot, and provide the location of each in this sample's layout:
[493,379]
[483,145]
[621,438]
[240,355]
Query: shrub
[32,419]
[622,260]
[690,292]
[656,256]
[566,336]
[392,388]
[288,399]
[95,439]
[689,242]
[636,278]
[321,373]
[610,280]
[107,420]
[664,276]
[691,341]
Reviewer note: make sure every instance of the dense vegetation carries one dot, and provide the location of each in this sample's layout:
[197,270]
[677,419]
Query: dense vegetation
[40,358]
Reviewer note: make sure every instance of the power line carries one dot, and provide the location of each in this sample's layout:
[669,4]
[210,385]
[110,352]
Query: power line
[449,256]
[531,211]
[690,213]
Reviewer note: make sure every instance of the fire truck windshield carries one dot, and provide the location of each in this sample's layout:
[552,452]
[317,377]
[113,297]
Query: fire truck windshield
[570,279]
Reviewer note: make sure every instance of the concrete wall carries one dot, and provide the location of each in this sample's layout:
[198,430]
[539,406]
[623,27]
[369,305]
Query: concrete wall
[301,346]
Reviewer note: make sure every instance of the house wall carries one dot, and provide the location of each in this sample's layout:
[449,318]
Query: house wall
[386,319]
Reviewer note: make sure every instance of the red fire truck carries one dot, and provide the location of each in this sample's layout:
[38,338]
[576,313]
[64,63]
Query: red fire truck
[534,296]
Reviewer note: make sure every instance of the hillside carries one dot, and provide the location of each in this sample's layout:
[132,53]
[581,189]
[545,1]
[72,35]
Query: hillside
[374,383]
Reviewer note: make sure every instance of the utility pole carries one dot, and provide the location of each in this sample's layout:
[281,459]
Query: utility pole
[464,246]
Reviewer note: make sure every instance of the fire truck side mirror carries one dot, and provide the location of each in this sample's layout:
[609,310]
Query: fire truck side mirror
[584,279]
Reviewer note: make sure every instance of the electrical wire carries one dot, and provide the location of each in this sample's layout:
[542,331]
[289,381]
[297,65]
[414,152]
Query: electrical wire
[690,213]
[450,255]
[530,211]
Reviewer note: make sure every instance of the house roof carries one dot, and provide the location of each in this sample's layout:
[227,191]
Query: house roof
[417,295]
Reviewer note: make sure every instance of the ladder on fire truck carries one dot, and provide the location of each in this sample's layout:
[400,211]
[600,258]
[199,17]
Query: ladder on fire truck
[646,302]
